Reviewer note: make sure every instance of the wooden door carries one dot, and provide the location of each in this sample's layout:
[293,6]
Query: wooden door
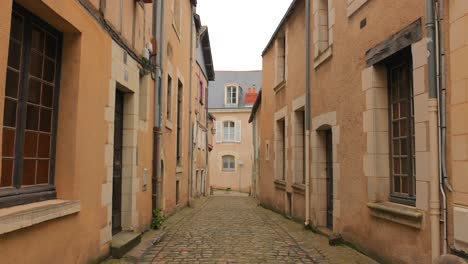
[117,174]
[329,168]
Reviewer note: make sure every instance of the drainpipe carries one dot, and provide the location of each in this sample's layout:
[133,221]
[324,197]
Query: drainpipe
[307,117]
[206,137]
[158,27]
[190,110]
[434,203]
[443,178]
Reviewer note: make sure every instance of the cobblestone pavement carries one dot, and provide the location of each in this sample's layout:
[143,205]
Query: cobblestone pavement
[228,229]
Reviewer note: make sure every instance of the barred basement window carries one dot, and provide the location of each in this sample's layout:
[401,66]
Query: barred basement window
[401,116]
[30,110]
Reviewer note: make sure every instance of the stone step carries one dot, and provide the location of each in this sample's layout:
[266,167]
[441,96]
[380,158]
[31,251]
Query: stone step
[123,242]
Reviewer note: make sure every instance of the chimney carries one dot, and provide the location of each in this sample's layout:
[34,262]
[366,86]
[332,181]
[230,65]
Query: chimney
[251,95]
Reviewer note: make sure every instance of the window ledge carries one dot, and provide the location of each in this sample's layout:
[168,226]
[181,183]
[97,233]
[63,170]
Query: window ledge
[397,213]
[280,184]
[299,187]
[179,169]
[168,124]
[22,216]
[322,57]
[280,86]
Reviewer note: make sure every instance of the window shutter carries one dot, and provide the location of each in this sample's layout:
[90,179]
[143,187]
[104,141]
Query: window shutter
[219,131]
[194,133]
[238,131]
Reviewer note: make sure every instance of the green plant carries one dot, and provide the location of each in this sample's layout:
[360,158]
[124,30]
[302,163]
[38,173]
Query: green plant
[228,189]
[158,219]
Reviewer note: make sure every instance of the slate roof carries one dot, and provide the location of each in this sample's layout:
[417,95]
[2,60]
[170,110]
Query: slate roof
[245,79]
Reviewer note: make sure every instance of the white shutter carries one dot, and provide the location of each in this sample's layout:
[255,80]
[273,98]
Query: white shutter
[219,131]
[238,131]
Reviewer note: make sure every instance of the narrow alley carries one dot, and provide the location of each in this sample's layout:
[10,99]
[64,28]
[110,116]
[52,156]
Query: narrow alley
[233,229]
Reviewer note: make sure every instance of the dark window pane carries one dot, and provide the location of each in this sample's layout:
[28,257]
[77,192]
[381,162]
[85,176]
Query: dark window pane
[404,109]
[396,147]
[14,54]
[9,115]
[42,171]
[404,166]
[30,144]
[46,120]
[49,70]
[36,64]
[396,165]
[12,81]
[6,178]
[29,171]
[396,184]
[32,118]
[396,130]
[8,142]
[395,111]
[16,27]
[403,127]
[404,185]
[47,95]
[44,146]
[404,146]
[37,40]
[51,46]
[394,93]
[34,92]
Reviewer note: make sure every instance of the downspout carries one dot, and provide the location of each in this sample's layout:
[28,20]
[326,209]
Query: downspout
[206,137]
[307,117]
[158,27]
[434,203]
[443,178]
[190,110]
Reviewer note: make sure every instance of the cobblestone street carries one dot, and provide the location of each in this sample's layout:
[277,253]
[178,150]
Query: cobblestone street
[232,229]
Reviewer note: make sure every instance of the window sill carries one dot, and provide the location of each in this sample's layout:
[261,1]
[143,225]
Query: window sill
[299,188]
[22,216]
[280,86]
[322,57]
[280,184]
[179,169]
[397,213]
[168,124]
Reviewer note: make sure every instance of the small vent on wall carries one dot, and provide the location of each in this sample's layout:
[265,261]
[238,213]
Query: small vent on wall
[363,23]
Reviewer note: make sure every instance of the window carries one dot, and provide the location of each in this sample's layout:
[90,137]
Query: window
[177,15]
[231,95]
[30,110]
[177,192]
[200,93]
[281,58]
[401,116]
[299,146]
[229,131]
[322,25]
[229,163]
[280,149]
[169,98]
[179,122]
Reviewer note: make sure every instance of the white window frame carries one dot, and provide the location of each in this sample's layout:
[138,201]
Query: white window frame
[231,163]
[228,98]
[231,131]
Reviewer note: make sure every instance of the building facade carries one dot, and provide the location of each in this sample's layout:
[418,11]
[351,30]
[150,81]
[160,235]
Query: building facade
[85,89]
[374,155]
[75,93]
[231,98]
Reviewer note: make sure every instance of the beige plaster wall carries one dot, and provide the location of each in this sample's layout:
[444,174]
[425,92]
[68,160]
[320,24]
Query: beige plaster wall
[242,151]
[457,102]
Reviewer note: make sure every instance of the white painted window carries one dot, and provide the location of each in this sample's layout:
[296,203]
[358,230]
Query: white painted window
[229,131]
[229,163]
[231,95]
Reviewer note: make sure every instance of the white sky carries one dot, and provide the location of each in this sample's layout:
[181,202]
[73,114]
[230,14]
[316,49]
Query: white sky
[240,30]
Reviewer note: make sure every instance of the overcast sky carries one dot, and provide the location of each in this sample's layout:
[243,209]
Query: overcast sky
[240,29]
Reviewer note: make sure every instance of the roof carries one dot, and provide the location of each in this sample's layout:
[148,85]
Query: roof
[278,28]
[208,58]
[245,79]
[255,107]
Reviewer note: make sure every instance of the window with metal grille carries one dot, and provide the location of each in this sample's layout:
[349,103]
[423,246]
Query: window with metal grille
[402,138]
[30,110]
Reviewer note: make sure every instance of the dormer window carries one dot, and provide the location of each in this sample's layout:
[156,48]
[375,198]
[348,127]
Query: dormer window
[231,98]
